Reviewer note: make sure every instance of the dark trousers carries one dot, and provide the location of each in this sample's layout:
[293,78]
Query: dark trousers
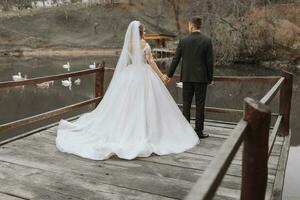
[199,89]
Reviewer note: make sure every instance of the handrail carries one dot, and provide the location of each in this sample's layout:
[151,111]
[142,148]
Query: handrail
[48,78]
[253,131]
[210,180]
[224,110]
[274,134]
[232,78]
[219,110]
[207,185]
[47,115]
[272,92]
[246,78]
[99,88]
[285,100]
[99,84]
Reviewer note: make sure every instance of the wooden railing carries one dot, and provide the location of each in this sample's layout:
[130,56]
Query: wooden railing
[99,89]
[261,79]
[253,131]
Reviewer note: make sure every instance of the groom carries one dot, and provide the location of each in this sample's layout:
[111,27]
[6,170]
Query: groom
[196,71]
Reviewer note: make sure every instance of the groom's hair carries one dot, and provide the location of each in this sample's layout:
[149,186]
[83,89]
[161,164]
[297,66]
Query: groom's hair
[196,21]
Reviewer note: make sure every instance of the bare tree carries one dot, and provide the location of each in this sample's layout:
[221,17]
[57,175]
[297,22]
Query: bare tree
[158,16]
[66,13]
[96,24]
[5,5]
[176,5]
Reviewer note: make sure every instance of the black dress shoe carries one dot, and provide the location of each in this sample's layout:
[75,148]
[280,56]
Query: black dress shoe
[202,135]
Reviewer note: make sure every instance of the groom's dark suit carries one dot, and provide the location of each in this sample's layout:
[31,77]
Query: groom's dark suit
[196,72]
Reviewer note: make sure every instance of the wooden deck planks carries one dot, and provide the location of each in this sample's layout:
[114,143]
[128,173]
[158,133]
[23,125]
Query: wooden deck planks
[279,179]
[113,171]
[45,143]
[35,183]
[32,168]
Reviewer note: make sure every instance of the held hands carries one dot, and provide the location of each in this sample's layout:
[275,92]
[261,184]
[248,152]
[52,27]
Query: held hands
[211,83]
[165,79]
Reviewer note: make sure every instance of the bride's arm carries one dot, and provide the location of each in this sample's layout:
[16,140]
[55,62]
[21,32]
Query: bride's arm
[153,64]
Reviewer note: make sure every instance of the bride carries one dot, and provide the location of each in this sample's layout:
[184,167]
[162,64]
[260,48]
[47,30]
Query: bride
[137,115]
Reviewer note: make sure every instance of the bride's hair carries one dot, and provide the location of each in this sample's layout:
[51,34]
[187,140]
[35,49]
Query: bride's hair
[141,29]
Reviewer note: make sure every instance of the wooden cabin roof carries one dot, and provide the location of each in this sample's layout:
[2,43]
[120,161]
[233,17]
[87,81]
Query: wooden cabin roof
[159,36]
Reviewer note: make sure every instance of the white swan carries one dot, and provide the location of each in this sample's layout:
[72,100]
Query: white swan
[45,84]
[67,83]
[67,66]
[179,85]
[93,66]
[17,77]
[77,81]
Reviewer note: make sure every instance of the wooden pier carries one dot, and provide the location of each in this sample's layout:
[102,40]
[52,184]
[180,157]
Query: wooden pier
[161,52]
[244,160]
[160,39]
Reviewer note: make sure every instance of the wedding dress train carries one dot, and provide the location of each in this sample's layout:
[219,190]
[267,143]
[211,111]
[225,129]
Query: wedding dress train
[136,117]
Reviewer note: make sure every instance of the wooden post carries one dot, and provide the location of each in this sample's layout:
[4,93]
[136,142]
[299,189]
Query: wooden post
[158,43]
[163,43]
[255,152]
[285,103]
[99,82]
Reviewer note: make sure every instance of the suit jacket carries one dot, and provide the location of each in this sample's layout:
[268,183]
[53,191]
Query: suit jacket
[197,59]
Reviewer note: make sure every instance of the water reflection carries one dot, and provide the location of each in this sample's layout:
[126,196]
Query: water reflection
[24,101]
[20,102]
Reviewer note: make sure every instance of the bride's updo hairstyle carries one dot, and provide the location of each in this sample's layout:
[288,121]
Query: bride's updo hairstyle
[141,29]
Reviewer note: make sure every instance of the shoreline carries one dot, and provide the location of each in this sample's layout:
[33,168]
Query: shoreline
[61,52]
[276,64]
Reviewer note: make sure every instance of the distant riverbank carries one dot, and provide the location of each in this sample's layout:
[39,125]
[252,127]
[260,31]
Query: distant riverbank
[71,52]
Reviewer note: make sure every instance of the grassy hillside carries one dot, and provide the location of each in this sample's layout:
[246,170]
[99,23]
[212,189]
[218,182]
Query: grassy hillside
[74,26]
[243,32]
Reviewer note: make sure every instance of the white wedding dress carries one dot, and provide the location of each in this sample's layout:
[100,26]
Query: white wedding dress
[136,117]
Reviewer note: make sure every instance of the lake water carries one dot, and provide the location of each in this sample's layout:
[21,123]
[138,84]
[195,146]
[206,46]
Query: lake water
[19,102]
